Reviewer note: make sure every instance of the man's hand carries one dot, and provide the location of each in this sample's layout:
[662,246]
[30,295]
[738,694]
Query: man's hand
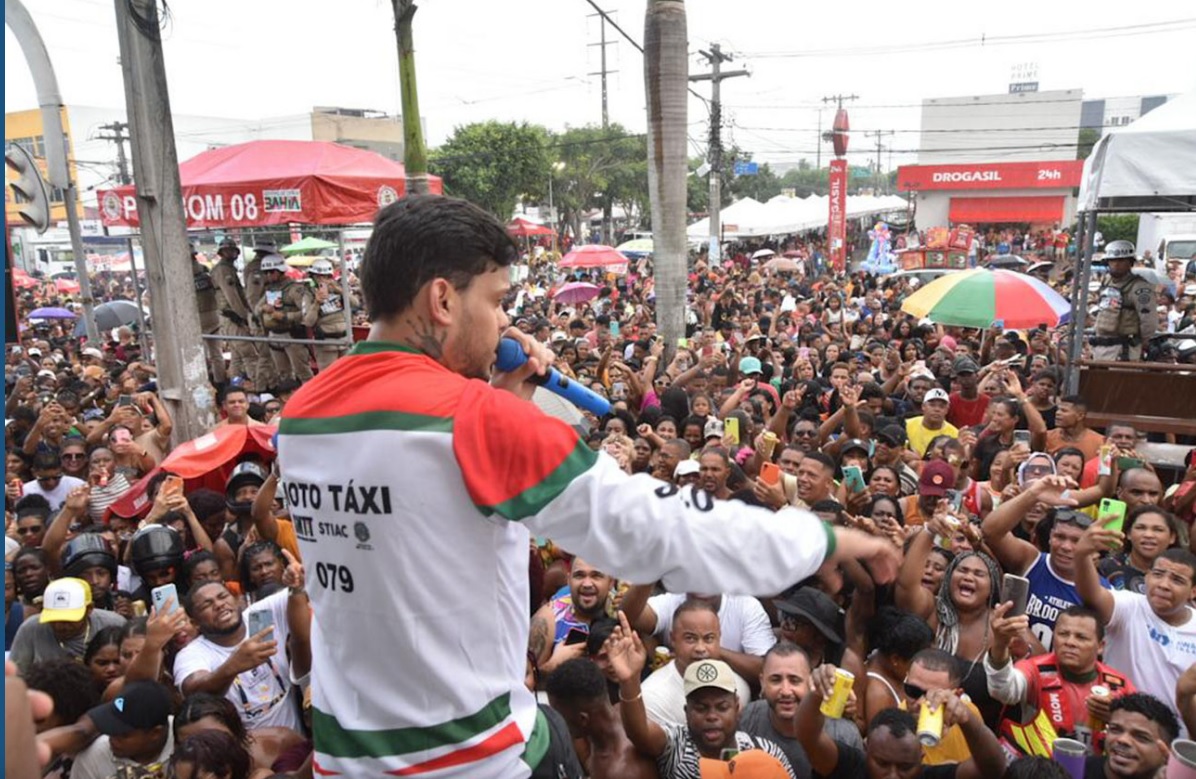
[77,500]
[772,495]
[539,360]
[254,651]
[1099,537]
[1099,707]
[1053,490]
[878,554]
[822,680]
[625,651]
[164,625]
[293,576]
[955,712]
[850,395]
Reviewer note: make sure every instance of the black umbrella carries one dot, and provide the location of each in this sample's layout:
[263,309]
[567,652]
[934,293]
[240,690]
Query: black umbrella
[1010,261]
[112,314]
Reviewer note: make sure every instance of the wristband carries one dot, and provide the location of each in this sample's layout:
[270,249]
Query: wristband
[631,700]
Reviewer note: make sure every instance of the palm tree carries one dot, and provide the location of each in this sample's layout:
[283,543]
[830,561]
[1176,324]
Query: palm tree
[415,158]
[666,73]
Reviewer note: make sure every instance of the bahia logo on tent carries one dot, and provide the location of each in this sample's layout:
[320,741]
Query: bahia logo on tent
[282,201]
[966,175]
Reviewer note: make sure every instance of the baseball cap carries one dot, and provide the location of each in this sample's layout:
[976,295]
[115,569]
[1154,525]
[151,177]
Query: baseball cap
[893,435]
[65,600]
[749,365]
[140,706]
[35,352]
[856,443]
[709,673]
[937,393]
[817,607]
[713,429]
[966,365]
[686,468]
[91,351]
[937,477]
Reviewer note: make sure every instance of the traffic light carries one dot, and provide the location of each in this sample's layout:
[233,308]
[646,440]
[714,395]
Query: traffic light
[33,200]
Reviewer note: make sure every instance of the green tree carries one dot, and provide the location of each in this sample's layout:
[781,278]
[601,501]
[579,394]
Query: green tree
[763,186]
[1086,140]
[597,168]
[805,180]
[1118,227]
[493,163]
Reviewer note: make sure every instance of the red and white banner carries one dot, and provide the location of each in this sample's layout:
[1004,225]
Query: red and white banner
[836,231]
[1055,174]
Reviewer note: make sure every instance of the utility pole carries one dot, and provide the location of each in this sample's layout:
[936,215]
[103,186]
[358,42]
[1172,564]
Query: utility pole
[602,44]
[878,135]
[118,136]
[715,155]
[838,101]
[179,352]
[415,157]
[607,236]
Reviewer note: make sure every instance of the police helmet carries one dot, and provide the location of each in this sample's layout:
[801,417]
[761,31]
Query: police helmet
[229,243]
[155,547]
[247,472]
[320,268]
[274,262]
[87,550]
[1120,250]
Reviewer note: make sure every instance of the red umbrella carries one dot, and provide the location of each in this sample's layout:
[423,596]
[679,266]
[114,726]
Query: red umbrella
[22,280]
[593,255]
[295,273]
[66,286]
[206,461]
[525,228]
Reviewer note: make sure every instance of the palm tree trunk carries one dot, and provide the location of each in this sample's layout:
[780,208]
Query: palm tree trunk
[666,74]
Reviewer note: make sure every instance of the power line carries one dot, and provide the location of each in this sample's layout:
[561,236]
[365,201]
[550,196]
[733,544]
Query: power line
[986,40]
[928,103]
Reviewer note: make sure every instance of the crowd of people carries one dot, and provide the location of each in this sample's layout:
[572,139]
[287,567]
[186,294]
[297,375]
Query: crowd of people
[174,637]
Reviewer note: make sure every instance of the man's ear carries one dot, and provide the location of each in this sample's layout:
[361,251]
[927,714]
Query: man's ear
[440,298]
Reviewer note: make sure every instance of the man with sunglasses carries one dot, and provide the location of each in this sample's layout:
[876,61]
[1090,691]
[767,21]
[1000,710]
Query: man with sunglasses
[49,481]
[33,513]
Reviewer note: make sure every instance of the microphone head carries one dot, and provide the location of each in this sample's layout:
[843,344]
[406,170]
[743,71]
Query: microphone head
[510,355]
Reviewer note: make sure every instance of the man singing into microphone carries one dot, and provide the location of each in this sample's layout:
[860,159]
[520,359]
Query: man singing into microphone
[415,473]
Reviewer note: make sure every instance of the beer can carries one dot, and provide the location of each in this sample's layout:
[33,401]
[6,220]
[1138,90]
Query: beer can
[834,705]
[138,608]
[661,657]
[1097,691]
[769,445]
[930,725]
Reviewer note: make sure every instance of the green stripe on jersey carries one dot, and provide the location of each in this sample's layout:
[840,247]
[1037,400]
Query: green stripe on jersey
[336,741]
[365,421]
[529,502]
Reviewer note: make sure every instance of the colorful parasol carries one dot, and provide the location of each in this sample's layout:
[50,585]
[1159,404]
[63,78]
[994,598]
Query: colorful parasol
[989,298]
[594,255]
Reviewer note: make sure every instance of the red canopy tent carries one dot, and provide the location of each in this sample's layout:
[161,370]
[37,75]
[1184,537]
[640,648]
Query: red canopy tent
[525,228]
[276,182]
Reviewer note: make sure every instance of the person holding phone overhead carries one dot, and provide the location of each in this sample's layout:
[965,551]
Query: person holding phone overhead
[483,467]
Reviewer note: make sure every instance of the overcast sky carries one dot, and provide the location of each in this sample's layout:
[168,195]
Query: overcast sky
[530,60]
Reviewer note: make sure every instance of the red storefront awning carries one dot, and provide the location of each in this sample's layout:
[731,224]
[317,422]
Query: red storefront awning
[1031,209]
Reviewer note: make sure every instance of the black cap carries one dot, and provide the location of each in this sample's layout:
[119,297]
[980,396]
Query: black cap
[817,607]
[140,706]
[856,443]
[893,435]
[965,364]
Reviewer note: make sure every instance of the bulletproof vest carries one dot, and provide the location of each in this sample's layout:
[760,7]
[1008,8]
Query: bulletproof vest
[255,284]
[1117,314]
[205,290]
[282,298]
[332,312]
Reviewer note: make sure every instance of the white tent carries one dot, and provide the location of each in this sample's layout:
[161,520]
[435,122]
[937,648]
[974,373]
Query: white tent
[784,215]
[1148,165]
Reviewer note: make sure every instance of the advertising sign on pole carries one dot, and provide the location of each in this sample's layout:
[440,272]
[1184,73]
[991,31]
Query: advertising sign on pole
[836,232]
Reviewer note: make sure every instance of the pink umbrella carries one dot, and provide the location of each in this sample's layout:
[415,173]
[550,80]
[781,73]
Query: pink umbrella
[593,255]
[576,292]
[66,286]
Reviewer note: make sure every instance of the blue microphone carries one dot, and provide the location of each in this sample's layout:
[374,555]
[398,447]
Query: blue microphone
[511,356]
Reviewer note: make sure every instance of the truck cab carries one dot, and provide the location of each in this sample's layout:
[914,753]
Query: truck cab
[1177,247]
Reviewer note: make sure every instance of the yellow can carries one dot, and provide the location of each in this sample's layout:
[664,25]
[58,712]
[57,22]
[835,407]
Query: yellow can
[930,725]
[835,705]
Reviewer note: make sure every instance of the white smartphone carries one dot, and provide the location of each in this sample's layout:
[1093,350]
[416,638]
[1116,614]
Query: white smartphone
[259,620]
[159,596]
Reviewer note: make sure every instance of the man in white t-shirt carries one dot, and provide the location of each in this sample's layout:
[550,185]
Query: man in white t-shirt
[251,670]
[49,481]
[1151,638]
[695,636]
[745,632]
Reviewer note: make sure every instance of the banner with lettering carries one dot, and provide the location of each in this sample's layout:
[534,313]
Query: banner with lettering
[836,231]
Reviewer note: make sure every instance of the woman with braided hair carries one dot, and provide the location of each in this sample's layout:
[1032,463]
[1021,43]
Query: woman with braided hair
[959,614]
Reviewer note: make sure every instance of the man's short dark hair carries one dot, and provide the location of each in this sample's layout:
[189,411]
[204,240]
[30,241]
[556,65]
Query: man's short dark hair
[1083,612]
[69,685]
[900,723]
[694,604]
[1150,707]
[1122,424]
[600,630]
[785,648]
[1035,768]
[46,460]
[232,391]
[822,459]
[423,237]
[1075,400]
[577,681]
[935,659]
[205,503]
[1183,557]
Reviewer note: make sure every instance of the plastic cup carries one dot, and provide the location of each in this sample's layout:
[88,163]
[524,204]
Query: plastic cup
[1182,764]
[1070,754]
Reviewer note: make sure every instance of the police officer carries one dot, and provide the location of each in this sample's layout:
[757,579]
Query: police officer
[330,323]
[286,310]
[1127,314]
[255,285]
[209,316]
[235,312]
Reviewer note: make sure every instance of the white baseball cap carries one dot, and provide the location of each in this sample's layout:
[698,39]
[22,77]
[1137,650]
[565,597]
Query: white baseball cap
[937,394]
[686,468]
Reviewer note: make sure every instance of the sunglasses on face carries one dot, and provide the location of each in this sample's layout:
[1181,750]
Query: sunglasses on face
[29,531]
[45,479]
[804,433]
[912,691]
[70,456]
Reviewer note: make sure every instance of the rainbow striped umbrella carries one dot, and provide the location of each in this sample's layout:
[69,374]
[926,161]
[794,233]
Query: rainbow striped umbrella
[989,298]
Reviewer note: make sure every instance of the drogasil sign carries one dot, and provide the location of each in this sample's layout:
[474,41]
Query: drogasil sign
[1054,174]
